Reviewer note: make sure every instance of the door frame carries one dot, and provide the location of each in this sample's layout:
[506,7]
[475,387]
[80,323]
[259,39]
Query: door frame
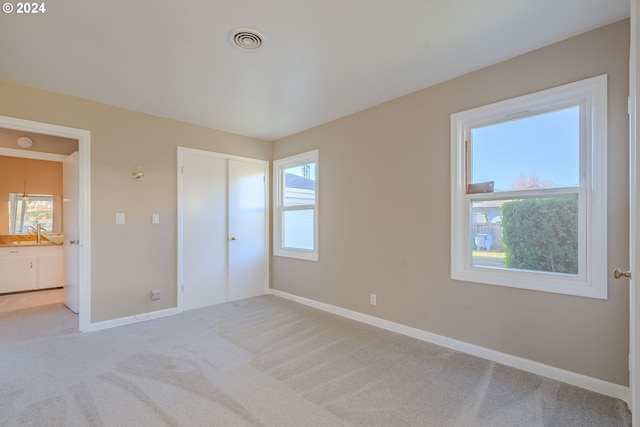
[84,200]
[267,216]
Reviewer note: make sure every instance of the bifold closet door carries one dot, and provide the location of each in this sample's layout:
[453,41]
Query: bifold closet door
[223,205]
[204,225]
[247,234]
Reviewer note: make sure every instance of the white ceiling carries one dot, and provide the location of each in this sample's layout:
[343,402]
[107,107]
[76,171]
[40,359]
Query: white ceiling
[321,59]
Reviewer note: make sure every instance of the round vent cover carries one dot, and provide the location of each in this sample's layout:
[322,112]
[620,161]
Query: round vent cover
[246,38]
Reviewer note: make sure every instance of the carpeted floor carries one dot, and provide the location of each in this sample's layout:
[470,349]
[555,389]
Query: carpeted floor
[271,362]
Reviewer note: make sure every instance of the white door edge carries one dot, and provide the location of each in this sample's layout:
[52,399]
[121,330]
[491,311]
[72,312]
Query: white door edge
[634,220]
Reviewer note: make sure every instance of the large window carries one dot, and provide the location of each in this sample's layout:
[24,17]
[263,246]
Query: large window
[296,206]
[529,191]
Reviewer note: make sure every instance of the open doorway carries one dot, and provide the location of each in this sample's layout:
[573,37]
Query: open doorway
[82,194]
[32,242]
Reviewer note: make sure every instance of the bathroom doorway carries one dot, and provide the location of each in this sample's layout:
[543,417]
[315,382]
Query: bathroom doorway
[44,131]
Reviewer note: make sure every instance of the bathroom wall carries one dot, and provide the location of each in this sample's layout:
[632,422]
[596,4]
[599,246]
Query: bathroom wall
[40,176]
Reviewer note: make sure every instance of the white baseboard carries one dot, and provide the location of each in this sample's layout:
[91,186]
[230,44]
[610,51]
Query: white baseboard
[599,386]
[98,326]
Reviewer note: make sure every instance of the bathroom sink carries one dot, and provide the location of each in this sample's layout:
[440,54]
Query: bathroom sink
[54,238]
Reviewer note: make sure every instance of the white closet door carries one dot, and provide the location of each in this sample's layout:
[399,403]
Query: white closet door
[247,234]
[204,193]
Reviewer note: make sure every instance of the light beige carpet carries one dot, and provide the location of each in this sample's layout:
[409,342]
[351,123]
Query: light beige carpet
[271,362]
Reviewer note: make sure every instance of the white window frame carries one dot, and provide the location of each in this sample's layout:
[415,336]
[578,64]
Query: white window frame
[279,166]
[591,280]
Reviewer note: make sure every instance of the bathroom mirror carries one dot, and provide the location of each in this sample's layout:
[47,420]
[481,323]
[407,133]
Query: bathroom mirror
[27,211]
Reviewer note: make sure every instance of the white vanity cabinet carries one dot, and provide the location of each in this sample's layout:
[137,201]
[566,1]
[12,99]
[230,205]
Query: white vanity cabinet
[16,270]
[50,266]
[25,268]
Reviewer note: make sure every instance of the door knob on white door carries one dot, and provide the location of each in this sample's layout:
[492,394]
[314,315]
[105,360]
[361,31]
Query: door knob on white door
[232,238]
[618,273]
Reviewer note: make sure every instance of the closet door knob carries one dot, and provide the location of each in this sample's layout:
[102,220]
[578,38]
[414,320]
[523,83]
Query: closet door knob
[618,273]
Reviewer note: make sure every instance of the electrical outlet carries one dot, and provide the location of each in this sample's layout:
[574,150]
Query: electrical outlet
[155,294]
[373,299]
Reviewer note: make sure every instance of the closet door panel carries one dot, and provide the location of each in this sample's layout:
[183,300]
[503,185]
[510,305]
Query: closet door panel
[247,234]
[204,230]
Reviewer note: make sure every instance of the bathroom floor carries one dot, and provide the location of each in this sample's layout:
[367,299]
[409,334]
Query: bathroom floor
[24,300]
[38,314]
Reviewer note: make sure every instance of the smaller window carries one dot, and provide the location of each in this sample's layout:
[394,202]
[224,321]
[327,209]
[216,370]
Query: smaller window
[296,207]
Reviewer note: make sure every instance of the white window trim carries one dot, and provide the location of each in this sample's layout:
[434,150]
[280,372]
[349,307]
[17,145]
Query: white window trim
[591,281]
[278,178]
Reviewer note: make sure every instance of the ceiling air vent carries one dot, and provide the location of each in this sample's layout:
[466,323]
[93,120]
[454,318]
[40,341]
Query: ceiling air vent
[246,38]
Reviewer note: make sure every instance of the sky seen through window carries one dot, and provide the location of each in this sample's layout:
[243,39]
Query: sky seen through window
[545,146]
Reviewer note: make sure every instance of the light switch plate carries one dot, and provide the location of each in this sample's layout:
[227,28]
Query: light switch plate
[155,218]
[119,218]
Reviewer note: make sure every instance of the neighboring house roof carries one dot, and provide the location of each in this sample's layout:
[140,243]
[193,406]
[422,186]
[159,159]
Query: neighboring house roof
[297,181]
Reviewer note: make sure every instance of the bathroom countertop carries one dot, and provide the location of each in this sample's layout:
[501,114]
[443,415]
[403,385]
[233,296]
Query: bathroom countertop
[28,243]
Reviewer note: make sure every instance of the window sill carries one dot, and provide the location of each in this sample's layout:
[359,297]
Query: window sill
[304,255]
[534,281]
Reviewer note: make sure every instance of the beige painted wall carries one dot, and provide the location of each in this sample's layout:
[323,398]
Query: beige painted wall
[129,260]
[385,217]
[42,177]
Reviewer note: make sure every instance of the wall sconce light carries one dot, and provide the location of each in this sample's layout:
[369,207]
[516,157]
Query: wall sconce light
[137,174]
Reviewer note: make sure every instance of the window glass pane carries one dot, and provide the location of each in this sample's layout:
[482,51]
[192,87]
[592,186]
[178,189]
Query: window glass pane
[535,234]
[534,152]
[297,229]
[300,185]
[25,213]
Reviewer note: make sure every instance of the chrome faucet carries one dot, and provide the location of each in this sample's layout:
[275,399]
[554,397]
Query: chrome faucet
[38,229]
